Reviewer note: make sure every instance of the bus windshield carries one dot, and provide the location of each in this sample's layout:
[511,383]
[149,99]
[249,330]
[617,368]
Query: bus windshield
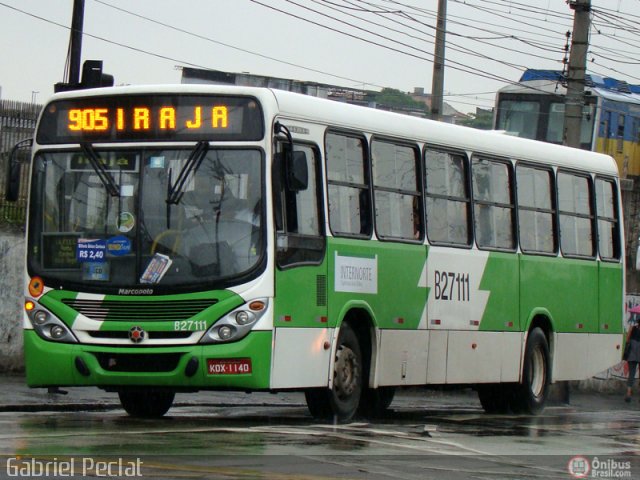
[541,117]
[120,218]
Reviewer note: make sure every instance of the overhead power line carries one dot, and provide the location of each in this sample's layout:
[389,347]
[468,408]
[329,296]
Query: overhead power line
[400,28]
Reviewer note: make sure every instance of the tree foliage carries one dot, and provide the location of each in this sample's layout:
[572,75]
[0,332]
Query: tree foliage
[396,99]
[482,119]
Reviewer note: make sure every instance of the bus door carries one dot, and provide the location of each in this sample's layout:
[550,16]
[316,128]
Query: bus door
[300,313]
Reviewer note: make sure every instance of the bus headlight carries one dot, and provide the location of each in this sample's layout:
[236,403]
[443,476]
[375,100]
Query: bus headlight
[243,318]
[40,317]
[57,332]
[225,332]
[48,326]
[236,324]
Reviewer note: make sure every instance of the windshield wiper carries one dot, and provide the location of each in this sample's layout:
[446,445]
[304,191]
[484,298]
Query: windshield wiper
[105,177]
[175,191]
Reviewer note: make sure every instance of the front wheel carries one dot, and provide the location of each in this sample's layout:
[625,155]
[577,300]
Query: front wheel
[341,401]
[148,403]
[376,401]
[530,396]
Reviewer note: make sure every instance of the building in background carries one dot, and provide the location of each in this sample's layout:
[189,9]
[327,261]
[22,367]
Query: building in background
[417,104]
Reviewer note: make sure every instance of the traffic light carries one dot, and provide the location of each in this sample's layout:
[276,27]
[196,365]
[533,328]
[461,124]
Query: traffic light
[92,77]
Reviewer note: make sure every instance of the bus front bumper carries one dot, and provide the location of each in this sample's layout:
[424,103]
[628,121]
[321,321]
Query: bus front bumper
[239,365]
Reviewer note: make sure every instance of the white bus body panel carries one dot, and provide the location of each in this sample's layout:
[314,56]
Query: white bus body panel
[483,357]
[402,357]
[579,356]
[437,357]
[300,359]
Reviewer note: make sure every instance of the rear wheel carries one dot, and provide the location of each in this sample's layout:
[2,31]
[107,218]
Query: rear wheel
[341,401]
[495,397]
[530,396]
[148,403]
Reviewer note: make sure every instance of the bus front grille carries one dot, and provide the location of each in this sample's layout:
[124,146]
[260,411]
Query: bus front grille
[124,335]
[137,311]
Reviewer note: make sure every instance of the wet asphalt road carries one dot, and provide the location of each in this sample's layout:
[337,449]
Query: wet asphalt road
[238,436]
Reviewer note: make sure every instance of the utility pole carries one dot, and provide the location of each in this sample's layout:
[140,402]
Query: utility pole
[92,76]
[574,100]
[437,80]
[75,42]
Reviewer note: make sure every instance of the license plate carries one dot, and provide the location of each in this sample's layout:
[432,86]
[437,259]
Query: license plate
[228,366]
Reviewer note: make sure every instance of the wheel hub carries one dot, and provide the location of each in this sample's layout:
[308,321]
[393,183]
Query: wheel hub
[346,372]
[538,373]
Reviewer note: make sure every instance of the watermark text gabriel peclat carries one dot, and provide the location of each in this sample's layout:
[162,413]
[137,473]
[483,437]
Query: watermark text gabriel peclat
[73,467]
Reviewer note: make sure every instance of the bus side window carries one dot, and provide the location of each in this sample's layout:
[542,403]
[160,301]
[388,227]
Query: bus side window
[536,210]
[348,184]
[300,236]
[447,201]
[396,191]
[608,225]
[621,130]
[576,215]
[493,204]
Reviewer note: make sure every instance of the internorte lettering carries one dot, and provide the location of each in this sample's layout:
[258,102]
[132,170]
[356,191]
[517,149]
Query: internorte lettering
[356,273]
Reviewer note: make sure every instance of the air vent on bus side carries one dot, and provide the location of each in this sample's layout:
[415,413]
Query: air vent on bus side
[321,290]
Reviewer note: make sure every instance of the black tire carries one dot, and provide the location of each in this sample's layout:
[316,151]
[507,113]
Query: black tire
[376,401]
[341,401]
[495,397]
[531,395]
[318,403]
[149,403]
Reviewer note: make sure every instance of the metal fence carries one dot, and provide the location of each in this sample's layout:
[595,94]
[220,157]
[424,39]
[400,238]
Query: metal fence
[17,122]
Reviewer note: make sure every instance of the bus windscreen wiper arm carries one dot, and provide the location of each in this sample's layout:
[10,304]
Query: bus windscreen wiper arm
[104,176]
[175,191]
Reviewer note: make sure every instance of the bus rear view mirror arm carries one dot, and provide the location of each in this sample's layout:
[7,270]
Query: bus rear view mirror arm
[12,188]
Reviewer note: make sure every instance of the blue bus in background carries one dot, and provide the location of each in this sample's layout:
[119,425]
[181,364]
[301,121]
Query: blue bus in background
[534,108]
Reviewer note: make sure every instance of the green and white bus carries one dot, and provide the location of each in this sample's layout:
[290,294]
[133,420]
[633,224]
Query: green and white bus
[185,238]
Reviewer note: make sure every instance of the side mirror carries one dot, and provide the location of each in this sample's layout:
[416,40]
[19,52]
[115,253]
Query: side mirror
[14,169]
[297,171]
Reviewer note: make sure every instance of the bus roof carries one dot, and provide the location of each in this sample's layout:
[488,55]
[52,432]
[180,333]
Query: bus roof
[379,122]
[383,123]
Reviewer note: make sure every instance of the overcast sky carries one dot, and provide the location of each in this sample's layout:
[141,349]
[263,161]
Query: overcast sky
[354,43]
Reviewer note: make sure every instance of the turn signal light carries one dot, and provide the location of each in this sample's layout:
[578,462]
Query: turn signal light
[257,305]
[36,287]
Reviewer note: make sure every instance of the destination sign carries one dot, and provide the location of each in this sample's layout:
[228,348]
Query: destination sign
[151,117]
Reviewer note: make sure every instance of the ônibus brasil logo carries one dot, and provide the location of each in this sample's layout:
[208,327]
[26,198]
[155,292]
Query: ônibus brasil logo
[579,467]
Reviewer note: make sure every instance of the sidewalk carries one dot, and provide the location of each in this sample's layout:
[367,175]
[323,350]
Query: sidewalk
[16,396]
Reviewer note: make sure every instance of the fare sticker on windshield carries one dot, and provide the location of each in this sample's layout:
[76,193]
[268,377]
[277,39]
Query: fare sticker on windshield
[91,250]
[98,272]
[118,246]
[126,222]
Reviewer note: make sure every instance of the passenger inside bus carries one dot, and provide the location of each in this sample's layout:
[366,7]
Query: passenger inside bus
[224,228]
